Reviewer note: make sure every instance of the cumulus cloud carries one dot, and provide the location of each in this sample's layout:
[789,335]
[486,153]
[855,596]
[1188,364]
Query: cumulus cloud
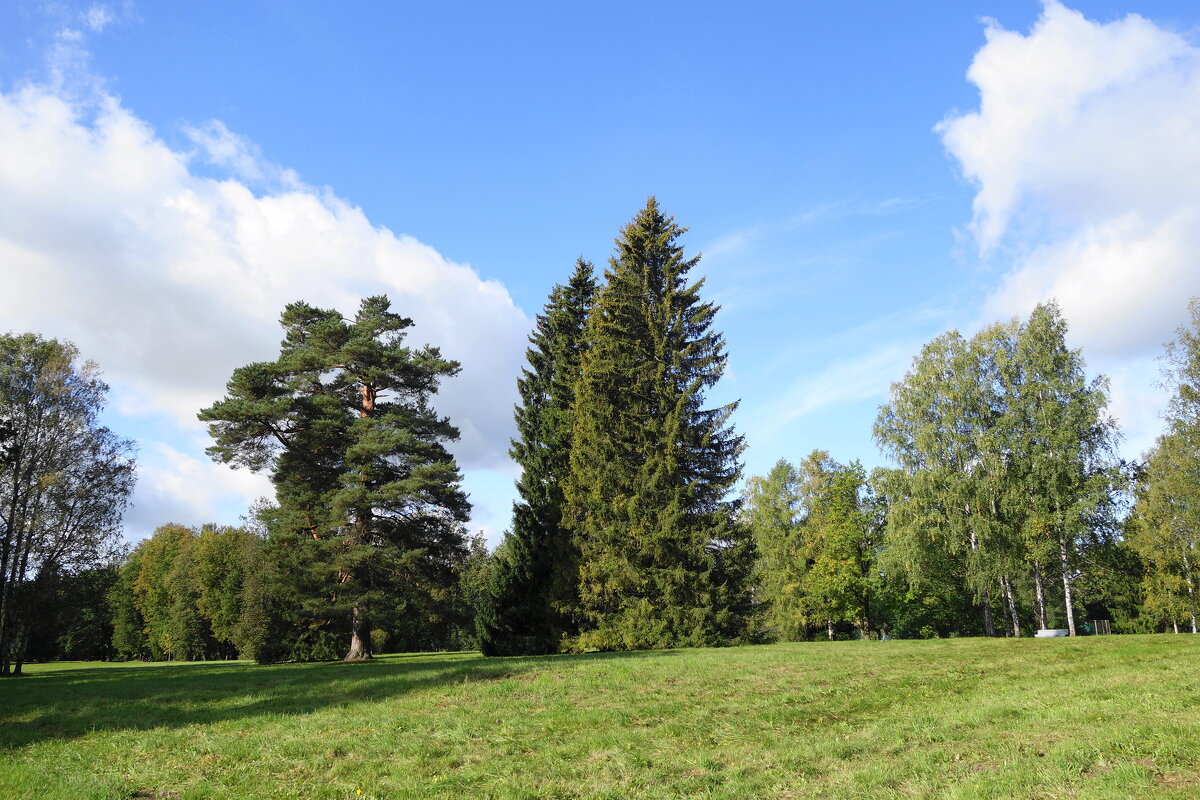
[174,486]
[170,280]
[1085,151]
[239,157]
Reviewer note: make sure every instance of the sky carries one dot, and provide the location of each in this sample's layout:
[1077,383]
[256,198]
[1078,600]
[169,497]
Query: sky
[858,180]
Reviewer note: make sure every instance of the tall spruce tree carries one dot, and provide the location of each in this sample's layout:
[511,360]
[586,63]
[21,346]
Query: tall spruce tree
[651,468]
[533,590]
[369,498]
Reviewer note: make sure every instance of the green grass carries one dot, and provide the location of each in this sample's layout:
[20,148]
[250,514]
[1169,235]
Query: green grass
[1104,717]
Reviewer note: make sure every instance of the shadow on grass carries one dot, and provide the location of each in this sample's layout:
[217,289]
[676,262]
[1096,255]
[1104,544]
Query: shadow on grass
[67,703]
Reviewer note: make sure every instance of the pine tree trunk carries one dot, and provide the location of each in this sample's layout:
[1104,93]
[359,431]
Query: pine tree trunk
[1066,578]
[1041,595]
[1012,606]
[360,636]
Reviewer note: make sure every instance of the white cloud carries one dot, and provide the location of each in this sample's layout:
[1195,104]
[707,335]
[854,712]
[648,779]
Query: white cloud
[174,486]
[1086,154]
[98,17]
[240,157]
[170,280]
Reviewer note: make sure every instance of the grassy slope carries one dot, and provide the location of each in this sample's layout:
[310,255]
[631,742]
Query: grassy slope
[1096,717]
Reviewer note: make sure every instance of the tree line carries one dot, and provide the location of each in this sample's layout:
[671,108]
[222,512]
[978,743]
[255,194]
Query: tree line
[1004,509]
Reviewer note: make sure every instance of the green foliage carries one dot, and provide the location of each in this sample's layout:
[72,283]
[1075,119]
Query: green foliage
[772,512]
[129,628]
[473,597]
[534,589]
[1006,468]
[73,620]
[155,593]
[64,480]
[369,502]
[815,530]
[838,544]
[650,467]
[223,557]
[1166,522]
[193,595]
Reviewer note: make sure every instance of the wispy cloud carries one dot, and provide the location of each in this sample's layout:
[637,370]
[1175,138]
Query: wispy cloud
[98,17]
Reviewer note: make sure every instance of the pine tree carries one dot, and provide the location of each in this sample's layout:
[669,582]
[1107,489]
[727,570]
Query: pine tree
[533,590]
[369,498]
[651,468]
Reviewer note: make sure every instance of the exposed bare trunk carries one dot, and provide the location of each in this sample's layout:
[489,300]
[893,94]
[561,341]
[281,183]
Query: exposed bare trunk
[1191,589]
[360,636]
[368,394]
[1175,626]
[1040,594]
[829,627]
[1066,579]
[989,626]
[1012,606]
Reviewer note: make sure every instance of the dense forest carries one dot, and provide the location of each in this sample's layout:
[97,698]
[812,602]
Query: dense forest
[1005,508]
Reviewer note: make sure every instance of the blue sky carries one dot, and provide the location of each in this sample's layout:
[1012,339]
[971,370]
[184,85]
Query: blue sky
[858,179]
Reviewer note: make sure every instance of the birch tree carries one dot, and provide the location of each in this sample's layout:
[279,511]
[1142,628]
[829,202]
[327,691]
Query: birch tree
[943,429]
[1166,533]
[64,478]
[1063,446]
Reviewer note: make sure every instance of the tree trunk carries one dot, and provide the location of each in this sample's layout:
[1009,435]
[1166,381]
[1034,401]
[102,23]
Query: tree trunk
[829,627]
[1012,606]
[1040,594]
[21,645]
[989,627]
[1066,578]
[7,552]
[360,636]
[1191,589]
[360,628]
[1175,626]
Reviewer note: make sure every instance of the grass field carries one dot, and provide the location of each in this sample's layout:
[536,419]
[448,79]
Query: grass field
[1105,717]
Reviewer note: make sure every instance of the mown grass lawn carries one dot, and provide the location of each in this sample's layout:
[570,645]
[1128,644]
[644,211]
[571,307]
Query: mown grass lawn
[1100,717]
